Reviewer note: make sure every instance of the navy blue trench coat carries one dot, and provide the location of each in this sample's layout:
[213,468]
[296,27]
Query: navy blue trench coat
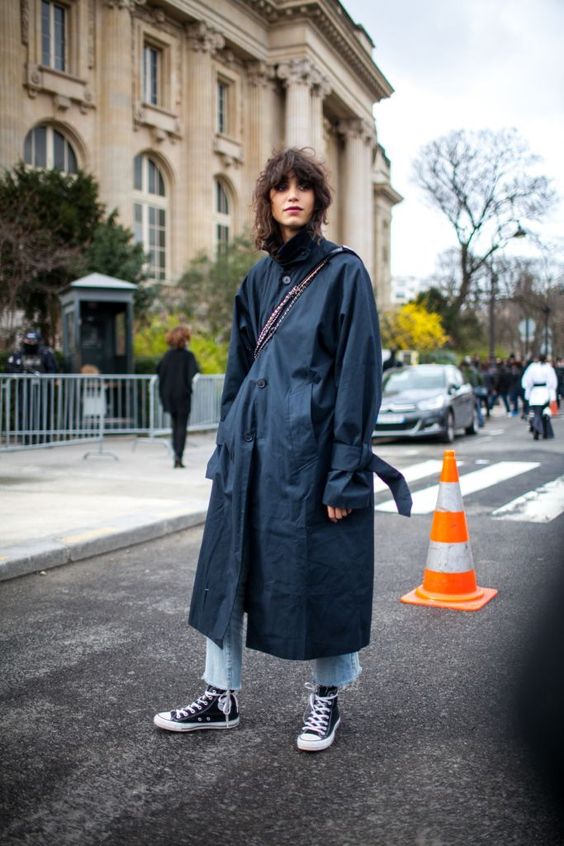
[294,437]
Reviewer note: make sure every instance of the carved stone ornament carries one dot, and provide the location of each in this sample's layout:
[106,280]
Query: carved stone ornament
[260,74]
[158,15]
[321,86]
[33,80]
[203,39]
[297,72]
[357,128]
[124,4]
[62,103]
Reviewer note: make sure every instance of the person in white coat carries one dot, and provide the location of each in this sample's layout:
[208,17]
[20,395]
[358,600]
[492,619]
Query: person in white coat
[539,383]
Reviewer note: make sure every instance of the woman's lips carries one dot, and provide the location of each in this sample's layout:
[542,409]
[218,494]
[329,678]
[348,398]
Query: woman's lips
[293,209]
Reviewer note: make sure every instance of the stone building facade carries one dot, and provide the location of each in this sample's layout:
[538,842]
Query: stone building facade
[175,106]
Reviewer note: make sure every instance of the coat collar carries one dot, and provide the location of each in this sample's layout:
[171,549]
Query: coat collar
[296,250]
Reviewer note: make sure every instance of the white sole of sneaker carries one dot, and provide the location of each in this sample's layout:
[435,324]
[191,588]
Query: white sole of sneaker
[307,745]
[160,722]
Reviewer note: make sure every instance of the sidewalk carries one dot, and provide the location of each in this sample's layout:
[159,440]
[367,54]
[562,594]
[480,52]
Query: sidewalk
[57,506]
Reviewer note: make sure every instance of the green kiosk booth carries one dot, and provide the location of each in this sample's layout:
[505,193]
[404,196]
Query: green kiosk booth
[97,324]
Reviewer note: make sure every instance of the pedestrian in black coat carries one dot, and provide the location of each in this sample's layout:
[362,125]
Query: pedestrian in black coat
[176,372]
[289,535]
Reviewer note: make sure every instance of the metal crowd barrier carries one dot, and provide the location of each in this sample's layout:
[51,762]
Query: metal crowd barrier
[55,409]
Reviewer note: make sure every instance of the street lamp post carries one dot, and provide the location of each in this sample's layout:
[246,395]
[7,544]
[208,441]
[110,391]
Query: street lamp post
[519,233]
[546,312]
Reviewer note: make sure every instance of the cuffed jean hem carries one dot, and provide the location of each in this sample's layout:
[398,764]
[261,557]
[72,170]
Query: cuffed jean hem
[223,665]
[337,670]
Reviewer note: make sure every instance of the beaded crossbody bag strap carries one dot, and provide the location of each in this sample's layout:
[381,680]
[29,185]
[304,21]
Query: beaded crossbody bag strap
[284,307]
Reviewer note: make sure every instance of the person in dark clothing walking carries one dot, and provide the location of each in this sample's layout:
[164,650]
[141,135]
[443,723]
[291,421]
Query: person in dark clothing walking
[289,535]
[515,388]
[176,372]
[501,385]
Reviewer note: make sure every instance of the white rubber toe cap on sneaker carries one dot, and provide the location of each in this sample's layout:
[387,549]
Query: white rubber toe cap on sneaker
[310,742]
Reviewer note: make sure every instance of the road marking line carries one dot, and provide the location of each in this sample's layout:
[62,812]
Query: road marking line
[412,473]
[539,506]
[424,501]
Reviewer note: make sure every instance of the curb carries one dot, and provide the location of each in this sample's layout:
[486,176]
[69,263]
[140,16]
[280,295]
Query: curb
[24,559]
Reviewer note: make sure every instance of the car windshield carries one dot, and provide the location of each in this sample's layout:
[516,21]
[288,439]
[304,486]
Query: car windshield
[413,379]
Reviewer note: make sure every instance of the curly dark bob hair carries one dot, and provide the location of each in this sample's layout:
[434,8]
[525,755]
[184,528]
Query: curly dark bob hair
[307,169]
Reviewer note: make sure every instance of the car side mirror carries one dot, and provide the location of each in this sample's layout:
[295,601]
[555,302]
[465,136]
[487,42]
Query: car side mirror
[452,389]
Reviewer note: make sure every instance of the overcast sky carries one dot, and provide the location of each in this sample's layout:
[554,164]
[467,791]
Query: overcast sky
[468,64]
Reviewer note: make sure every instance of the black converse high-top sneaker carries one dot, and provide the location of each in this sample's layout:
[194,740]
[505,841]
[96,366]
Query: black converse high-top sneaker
[214,709]
[321,719]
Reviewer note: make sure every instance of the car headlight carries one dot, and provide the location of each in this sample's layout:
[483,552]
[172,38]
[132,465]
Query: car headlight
[431,404]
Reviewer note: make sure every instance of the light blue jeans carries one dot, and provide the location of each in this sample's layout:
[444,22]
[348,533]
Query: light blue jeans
[223,664]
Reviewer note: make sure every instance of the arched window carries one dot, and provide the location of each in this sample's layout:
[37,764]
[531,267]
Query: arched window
[150,213]
[222,218]
[45,146]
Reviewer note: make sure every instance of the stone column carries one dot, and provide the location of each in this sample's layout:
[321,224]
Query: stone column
[11,61]
[296,75]
[320,89]
[116,109]
[200,91]
[260,118]
[356,199]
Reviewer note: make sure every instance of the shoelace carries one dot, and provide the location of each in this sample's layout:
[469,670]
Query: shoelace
[223,701]
[320,712]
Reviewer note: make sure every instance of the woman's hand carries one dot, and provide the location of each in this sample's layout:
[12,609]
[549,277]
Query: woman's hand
[336,514]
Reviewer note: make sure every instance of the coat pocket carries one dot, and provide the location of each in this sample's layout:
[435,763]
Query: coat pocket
[303,442]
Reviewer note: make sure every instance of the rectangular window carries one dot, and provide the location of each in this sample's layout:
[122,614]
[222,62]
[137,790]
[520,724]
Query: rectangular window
[138,173]
[222,107]
[53,35]
[152,65]
[58,151]
[138,222]
[222,237]
[40,151]
[149,229]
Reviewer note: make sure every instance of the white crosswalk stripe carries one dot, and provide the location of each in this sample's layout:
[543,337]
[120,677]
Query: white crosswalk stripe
[539,506]
[414,473]
[424,501]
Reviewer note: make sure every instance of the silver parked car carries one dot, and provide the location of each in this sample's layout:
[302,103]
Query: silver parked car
[426,400]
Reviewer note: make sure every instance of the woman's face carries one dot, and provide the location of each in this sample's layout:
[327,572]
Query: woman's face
[292,203]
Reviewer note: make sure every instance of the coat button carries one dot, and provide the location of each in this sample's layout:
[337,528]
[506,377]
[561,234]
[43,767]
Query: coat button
[248,436]
[261,383]
[286,279]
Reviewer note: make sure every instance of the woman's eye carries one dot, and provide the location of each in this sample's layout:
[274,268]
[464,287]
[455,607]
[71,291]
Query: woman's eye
[304,186]
[282,186]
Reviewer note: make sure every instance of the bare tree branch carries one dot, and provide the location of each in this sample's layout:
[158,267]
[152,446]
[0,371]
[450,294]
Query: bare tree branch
[486,186]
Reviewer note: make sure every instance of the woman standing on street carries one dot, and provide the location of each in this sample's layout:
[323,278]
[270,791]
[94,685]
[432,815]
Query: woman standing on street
[176,371]
[540,382]
[289,532]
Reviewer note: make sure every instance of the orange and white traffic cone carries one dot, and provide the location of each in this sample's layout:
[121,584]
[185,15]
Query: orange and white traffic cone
[449,580]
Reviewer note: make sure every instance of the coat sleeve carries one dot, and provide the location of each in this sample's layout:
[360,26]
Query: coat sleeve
[240,357]
[358,377]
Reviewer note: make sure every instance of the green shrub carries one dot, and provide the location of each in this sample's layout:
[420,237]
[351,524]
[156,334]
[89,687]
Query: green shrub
[149,346]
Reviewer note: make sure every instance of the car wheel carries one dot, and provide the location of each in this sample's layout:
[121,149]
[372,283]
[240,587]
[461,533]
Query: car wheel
[472,429]
[447,436]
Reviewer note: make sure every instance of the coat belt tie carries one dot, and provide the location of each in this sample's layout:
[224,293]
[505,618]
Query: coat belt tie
[358,458]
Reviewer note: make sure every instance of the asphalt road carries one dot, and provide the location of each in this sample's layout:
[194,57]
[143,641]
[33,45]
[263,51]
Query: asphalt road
[430,751]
